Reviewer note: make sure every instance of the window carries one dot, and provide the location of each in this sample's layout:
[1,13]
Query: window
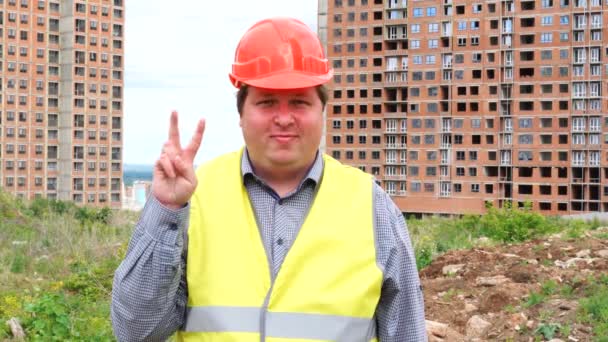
[525,123]
[431,11]
[418,12]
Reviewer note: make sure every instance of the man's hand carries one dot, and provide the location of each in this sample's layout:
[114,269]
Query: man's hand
[174,179]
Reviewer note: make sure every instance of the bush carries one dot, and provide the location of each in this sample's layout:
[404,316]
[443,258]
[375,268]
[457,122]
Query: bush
[513,225]
[49,319]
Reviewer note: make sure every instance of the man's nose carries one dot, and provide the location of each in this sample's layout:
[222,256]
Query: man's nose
[283,116]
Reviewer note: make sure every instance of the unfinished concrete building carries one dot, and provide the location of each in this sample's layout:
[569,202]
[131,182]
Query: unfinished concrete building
[61,82]
[453,105]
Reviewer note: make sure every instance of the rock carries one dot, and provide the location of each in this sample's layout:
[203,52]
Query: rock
[573,339]
[530,324]
[571,262]
[585,329]
[468,307]
[452,269]
[437,331]
[515,321]
[585,253]
[483,240]
[477,327]
[19,243]
[491,281]
[16,328]
[602,253]
[509,255]
[532,261]
[556,340]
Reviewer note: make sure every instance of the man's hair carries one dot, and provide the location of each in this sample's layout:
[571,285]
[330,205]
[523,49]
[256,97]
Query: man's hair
[241,96]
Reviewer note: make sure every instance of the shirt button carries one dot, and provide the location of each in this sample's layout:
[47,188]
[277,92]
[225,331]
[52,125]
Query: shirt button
[280,241]
[173,226]
[281,202]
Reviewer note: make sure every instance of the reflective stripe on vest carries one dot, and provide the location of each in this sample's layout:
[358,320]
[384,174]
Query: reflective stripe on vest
[279,324]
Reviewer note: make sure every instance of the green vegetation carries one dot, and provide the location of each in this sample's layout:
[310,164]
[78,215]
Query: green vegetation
[57,262]
[432,236]
[534,298]
[594,306]
[547,330]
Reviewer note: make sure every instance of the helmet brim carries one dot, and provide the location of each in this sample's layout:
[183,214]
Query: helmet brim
[286,80]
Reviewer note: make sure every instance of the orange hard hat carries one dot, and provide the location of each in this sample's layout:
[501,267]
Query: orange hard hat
[280,53]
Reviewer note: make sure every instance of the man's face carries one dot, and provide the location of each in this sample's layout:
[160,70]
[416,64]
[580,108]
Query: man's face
[282,128]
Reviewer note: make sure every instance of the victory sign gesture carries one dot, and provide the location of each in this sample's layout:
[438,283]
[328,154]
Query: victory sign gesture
[174,179]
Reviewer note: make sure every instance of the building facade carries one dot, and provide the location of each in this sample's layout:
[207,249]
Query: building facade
[61,100]
[457,104]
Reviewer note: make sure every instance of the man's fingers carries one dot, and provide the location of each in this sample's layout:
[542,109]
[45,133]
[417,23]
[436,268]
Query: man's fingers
[166,166]
[174,130]
[195,142]
[185,169]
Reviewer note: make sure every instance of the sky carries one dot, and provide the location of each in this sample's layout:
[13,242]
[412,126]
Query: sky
[177,57]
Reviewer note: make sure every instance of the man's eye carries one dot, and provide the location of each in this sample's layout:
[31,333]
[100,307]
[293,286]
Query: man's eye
[300,102]
[267,102]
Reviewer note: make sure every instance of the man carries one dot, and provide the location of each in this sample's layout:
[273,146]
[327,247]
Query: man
[281,242]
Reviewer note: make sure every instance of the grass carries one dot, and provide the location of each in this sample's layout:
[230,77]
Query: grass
[56,267]
[593,308]
[534,298]
[57,262]
[433,236]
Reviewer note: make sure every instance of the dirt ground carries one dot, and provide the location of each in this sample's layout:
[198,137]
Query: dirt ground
[480,294]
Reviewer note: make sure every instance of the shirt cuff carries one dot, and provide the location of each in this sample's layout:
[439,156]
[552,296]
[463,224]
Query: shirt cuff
[163,224]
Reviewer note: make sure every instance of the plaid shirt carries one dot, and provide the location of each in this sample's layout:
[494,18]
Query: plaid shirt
[149,296]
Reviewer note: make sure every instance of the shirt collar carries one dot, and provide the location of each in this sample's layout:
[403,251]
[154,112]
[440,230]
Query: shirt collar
[314,173]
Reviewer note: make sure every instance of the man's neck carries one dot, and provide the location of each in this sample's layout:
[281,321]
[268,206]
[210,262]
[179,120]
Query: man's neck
[282,181]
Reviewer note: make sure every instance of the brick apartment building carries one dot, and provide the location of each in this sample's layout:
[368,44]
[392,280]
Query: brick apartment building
[61,82]
[452,103]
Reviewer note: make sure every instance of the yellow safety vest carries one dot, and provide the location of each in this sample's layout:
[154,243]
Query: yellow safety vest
[328,286]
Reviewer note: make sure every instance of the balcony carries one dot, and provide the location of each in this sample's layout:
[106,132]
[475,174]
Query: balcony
[578,128]
[394,146]
[395,177]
